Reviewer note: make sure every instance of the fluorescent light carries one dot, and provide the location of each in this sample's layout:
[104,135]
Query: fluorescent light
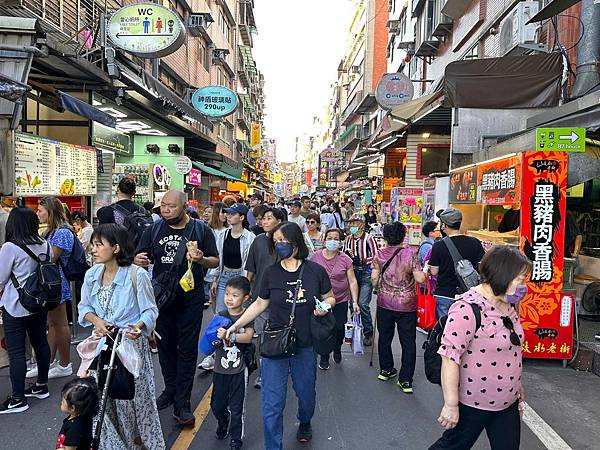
[423,150]
[425,135]
[113,112]
[152,132]
[191,119]
[510,155]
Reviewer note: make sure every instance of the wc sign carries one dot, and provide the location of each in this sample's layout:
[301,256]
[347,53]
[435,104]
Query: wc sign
[147,30]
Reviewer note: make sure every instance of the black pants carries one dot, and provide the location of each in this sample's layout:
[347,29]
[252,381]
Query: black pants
[14,330]
[229,392]
[179,326]
[406,323]
[340,312]
[503,429]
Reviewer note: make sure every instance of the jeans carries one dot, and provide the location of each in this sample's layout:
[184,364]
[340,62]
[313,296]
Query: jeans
[179,326]
[14,330]
[406,323]
[226,275]
[442,305]
[503,429]
[363,276]
[303,368]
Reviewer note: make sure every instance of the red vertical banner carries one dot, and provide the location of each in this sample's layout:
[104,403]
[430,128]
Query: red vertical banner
[546,314]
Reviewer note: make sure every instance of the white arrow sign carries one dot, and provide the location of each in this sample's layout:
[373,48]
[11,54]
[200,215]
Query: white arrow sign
[574,136]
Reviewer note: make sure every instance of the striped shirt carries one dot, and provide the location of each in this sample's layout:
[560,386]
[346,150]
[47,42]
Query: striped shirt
[362,250]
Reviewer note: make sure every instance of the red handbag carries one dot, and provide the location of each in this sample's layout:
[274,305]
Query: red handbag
[425,307]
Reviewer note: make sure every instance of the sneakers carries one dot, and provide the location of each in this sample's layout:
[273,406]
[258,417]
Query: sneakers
[184,416]
[207,363]
[324,363]
[258,383]
[386,375]
[33,372]
[12,405]
[304,433]
[59,371]
[37,390]
[235,444]
[597,336]
[368,340]
[337,357]
[164,401]
[406,386]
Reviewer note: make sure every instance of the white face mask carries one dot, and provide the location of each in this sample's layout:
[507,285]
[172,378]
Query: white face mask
[332,245]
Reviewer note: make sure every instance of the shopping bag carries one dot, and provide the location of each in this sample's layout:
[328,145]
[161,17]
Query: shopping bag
[187,280]
[129,356]
[357,336]
[425,307]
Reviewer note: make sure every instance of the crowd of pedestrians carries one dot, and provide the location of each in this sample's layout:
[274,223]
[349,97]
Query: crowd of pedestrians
[259,269]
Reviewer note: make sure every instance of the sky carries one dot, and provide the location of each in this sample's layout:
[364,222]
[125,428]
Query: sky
[298,48]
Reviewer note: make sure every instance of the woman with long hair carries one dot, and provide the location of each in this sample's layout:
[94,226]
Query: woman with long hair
[22,232]
[61,237]
[218,220]
[370,216]
[292,277]
[397,304]
[118,294]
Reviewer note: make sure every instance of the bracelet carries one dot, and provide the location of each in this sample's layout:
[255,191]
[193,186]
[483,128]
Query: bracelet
[233,337]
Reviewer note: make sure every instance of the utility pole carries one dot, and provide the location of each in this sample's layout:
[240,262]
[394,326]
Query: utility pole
[587,54]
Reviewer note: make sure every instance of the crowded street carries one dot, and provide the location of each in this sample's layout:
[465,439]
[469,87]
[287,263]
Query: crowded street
[261,224]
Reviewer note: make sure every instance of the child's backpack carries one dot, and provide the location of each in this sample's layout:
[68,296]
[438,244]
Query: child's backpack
[431,357]
[42,289]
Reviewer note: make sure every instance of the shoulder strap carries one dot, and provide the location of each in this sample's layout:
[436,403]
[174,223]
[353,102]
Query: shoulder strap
[156,226]
[477,314]
[296,291]
[134,270]
[389,261]
[120,209]
[32,255]
[456,256]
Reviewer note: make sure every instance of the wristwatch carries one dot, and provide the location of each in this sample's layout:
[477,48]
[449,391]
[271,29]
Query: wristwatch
[233,337]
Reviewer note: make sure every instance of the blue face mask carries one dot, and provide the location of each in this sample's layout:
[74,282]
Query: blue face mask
[520,293]
[284,249]
[332,245]
[353,230]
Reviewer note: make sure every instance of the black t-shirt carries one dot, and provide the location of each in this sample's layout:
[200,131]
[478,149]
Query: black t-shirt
[232,256]
[571,232]
[230,360]
[76,432]
[108,214]
[469,248]
[279,286]
[260,258]
[162,251]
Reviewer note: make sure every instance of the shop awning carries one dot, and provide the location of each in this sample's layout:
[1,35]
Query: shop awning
[216,172]
[554,8]
[84,109]
[410,109]
[529,81]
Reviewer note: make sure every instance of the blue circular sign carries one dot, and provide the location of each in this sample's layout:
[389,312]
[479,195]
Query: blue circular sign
[215,101]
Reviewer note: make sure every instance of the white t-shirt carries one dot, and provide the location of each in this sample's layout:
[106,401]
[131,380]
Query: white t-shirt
[300,221]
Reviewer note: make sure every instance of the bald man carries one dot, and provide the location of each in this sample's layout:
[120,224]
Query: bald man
[179,322]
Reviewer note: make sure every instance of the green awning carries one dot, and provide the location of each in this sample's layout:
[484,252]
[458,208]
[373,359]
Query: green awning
[216,172]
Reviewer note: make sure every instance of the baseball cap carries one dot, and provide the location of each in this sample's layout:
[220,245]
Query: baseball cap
[297,203]
[237,208]
[450,216]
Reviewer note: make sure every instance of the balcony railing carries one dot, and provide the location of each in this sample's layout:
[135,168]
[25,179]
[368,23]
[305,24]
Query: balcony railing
[351,107]
[352,135]
[442,24]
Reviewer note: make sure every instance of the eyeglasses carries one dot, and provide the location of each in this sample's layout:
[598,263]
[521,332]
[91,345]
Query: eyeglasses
[311,221]
[514,337]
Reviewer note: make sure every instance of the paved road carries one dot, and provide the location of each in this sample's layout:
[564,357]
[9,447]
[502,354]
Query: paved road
[354,411]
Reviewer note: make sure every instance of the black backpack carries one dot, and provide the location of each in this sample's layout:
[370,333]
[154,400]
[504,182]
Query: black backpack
[42,289]
[76,265]
[136,221]
[433,360]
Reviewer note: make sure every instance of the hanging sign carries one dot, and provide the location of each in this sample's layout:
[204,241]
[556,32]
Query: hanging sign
[147,30]
[393,90]
[162,177]
[215,101]
[255,134]
[561,139]
[183,165]
[499,182]
[194,177]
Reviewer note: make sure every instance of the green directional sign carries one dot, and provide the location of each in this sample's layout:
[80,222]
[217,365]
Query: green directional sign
[560,139]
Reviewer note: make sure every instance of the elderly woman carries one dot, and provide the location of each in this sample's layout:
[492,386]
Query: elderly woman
[481,366]
[118,294]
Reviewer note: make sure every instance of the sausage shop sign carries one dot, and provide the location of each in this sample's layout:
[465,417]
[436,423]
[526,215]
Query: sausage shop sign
[147,30]
[215,101]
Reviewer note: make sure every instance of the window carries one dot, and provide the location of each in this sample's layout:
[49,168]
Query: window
[225,26]
[203,54]
[222,78]
[225,132]
[432,158]
[473,53]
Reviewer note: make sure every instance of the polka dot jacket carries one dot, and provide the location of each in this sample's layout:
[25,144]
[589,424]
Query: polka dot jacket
[490,365]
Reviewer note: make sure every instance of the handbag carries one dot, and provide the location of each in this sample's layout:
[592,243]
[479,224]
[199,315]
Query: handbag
[280,342]
[384,268]
[322,330]
[425,307]
[122,382]
[165,285]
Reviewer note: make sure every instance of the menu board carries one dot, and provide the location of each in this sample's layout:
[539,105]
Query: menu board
[463,186]
[499,182]
[47,167]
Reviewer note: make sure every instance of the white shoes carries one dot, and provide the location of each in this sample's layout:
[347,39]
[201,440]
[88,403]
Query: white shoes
[33,372]
[59,371]
[207,363]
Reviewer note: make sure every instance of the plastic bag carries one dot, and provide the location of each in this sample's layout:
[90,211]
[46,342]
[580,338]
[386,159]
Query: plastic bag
[357,336]
[129,356]
[187,280]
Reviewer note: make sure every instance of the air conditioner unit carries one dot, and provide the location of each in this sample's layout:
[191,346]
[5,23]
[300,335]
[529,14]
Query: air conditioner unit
[198,23]
[515,33]
[220,55]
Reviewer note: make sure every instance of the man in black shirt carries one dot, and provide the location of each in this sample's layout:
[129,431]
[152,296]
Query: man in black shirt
[442,264]
[125,193]
[178,323]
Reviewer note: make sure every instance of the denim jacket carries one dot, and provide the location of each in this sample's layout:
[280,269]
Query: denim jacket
[246,240]
[129,305]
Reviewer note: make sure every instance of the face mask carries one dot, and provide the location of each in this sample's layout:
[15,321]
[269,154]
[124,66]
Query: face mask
[173,221]
[443,233]
[332,245]
[284,249]
[519,294]
[353,230]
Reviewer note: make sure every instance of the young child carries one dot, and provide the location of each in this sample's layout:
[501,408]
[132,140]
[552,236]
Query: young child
[230,375]
[80,402]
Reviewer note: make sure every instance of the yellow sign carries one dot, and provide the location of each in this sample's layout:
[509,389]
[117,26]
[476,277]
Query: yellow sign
[255,153]
[277,178]
[255,135]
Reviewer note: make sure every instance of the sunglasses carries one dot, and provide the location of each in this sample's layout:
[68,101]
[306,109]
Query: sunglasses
[311,221]
[514,337]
